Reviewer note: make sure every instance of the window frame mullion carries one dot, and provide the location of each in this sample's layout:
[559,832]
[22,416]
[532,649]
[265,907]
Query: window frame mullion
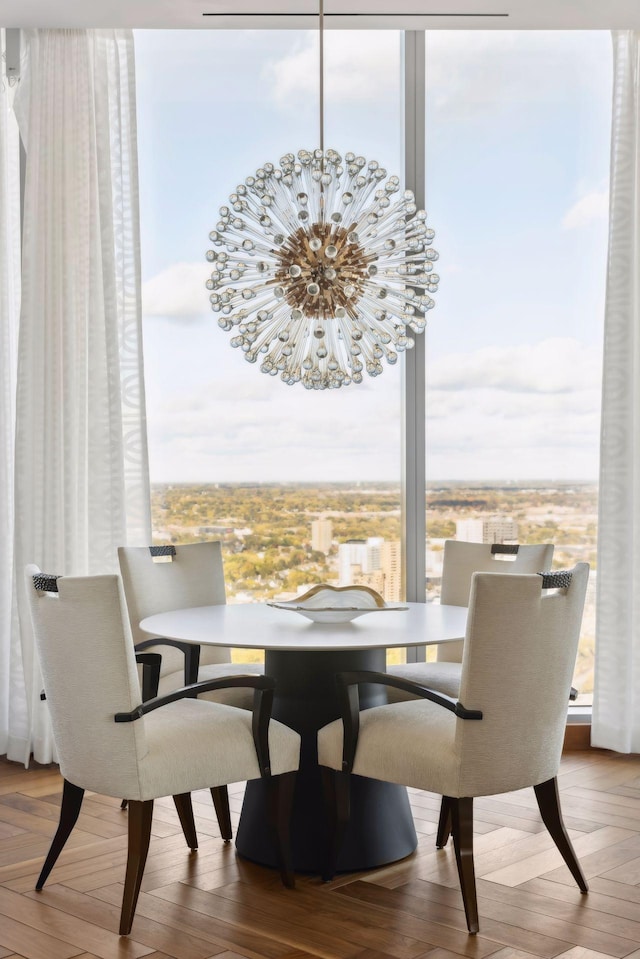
[414,406]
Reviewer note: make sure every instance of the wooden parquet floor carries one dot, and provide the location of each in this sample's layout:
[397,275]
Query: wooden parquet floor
[210,903]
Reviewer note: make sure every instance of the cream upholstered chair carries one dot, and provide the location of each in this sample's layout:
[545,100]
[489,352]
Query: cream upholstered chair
[190,575]
[110,742]
[504,732]
[461,560]
[193,577]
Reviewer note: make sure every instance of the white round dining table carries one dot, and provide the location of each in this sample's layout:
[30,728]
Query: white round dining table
[260,626]
[303,657]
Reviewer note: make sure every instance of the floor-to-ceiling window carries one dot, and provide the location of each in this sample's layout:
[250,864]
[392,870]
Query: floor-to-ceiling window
[518,130]
[305,487]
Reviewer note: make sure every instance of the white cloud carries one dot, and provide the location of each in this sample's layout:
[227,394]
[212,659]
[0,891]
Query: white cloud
[592,207]
[526,411]
[177,291]
[263,413]
[357,66]
[239,427]
[488,438]
[499,412]
[558,365]
[471,73]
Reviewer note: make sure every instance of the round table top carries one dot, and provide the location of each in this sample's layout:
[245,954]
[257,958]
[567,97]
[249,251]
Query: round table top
[259,626]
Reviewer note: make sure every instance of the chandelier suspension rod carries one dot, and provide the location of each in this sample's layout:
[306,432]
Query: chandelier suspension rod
[321,26]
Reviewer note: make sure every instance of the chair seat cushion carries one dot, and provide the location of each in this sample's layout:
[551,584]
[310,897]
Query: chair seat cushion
[426,759]
[242,698]
[415,744]
[443,677]
[195,744]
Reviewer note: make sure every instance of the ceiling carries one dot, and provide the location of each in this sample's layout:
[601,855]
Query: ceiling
[342,14]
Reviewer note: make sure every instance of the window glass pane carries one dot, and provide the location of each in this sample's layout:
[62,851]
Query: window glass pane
[286,478]
[517,188]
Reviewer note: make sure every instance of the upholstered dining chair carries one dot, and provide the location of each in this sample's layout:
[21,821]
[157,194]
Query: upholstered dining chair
[461,560]
[160,578]
[503,732]
[109,741]
[192,575]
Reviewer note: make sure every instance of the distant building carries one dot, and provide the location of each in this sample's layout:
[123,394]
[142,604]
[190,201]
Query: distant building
[494,529]
[235,545]
[392,569]
[321,535]
[470,530]
[373,562]
[434,559]
[351,554]
[374,580]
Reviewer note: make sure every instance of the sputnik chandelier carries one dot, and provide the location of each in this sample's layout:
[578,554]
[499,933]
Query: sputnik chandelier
[319,267]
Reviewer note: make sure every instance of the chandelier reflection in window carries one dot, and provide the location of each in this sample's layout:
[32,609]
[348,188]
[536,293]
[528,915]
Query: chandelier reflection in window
[320,266]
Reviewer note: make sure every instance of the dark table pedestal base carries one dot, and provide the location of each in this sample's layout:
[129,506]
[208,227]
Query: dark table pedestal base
[380,831]
[381,827]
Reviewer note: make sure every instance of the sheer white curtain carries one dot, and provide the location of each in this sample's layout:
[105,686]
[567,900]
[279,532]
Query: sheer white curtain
[81,466]
[11,684]
[616,705]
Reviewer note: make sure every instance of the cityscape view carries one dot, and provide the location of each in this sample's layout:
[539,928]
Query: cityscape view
[280,539]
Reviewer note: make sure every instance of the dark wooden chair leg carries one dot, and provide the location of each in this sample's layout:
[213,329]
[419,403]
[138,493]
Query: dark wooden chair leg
[140,815]
[69,811]
[185,814]
[220,796]
[331,816]
[549,805]
[123,804]
[462,830]
[281,800]
[444,823]
[336,788]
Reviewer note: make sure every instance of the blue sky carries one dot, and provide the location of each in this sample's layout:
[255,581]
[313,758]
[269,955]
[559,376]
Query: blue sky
[518,128]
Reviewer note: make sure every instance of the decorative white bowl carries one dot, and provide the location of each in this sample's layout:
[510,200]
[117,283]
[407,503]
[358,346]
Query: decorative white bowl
[337,604]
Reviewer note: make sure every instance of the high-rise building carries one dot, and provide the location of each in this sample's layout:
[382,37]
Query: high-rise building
[321,534]
[374,580]
[373,562]
[493,529]
[351,554]
[392,570]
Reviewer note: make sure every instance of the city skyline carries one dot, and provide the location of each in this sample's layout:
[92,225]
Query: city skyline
[267,534]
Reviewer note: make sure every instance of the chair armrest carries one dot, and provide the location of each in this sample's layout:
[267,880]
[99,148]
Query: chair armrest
[150,663]
[261,713]
[349,698]
[190,651]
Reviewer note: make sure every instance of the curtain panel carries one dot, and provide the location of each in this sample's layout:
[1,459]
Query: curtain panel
[81,470]
[11,682]
[616,704]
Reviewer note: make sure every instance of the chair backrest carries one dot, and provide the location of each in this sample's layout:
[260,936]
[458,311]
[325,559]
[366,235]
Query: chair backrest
[194,577]
[518,662]
[89,673]
[461,560]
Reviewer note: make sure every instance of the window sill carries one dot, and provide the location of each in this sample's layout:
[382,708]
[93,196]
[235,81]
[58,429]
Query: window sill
[579,714]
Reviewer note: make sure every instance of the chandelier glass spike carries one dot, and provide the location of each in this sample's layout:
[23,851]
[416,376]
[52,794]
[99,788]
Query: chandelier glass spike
[319,266]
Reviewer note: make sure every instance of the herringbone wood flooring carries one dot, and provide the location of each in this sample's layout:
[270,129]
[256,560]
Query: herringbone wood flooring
[212,904]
